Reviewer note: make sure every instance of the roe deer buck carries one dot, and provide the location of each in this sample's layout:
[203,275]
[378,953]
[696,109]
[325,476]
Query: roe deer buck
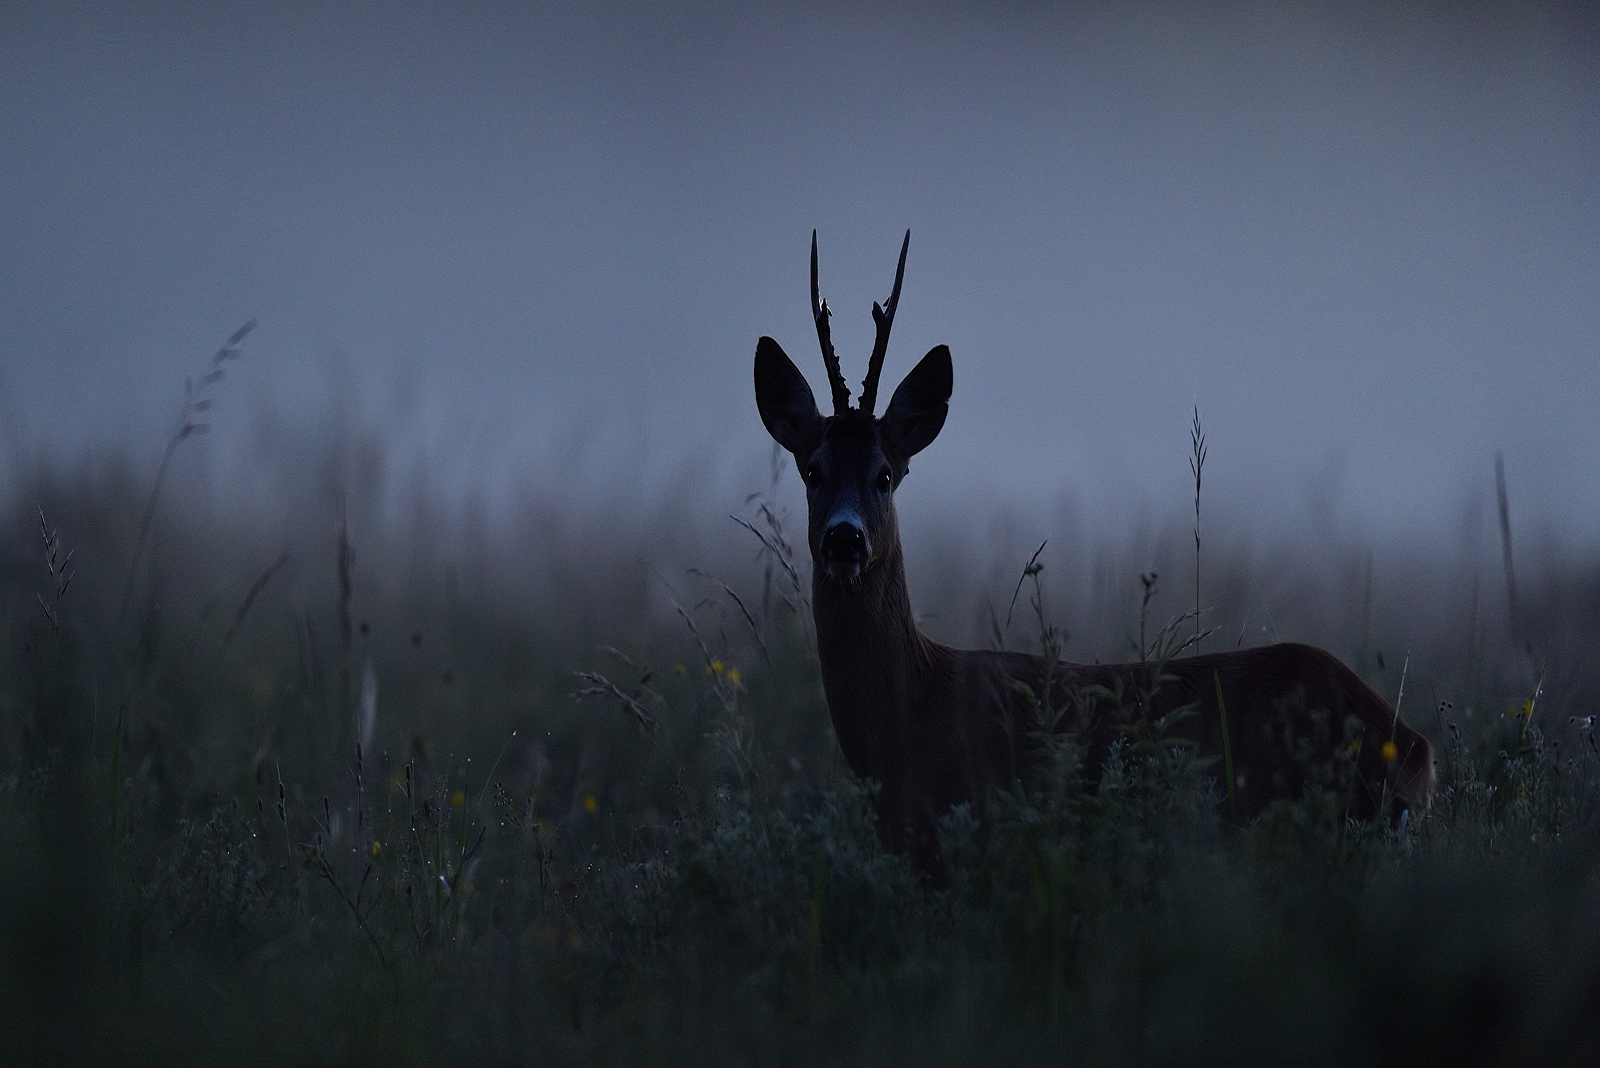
[937,726]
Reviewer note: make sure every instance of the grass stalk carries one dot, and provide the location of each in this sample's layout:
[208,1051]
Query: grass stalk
[347,560]
[1197,463]
[1513,614]
[190,423]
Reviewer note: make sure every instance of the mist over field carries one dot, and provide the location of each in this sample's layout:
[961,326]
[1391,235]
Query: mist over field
[508,266]
[524,254]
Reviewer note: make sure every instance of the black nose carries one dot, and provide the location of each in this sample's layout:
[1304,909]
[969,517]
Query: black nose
[845,543]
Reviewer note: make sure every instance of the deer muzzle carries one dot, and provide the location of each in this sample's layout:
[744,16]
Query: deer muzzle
[844,550]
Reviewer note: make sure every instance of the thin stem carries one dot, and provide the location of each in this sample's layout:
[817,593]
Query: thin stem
[1197,462]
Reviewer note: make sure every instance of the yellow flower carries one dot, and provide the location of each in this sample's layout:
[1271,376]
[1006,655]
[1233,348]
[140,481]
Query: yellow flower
[377,850]
[1355,747]
[733,676]
[589,803]
[715,668]
[458,799]
[1389,752]
[679,670]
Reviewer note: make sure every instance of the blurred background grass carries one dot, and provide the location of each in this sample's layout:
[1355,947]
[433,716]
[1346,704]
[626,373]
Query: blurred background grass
[312,782]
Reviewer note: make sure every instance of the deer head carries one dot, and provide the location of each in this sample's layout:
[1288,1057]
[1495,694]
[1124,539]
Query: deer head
[852,461]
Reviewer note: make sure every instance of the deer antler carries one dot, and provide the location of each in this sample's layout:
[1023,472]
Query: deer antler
[820,312]
[884,317]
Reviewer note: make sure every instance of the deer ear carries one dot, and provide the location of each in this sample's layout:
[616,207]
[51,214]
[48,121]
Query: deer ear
[917,409]
[787,406]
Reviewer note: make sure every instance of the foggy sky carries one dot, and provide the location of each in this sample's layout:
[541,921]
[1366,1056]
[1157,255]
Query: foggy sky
[1365,245]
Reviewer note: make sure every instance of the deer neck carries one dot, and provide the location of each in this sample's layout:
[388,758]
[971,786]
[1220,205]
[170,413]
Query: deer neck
[872,655]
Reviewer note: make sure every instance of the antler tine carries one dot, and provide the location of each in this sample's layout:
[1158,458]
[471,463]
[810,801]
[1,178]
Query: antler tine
[820,312]
[884,317]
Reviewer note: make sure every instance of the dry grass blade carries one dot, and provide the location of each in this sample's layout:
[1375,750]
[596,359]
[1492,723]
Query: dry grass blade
[236,337]
[1033,568]
[646,673]
[354,906]
[60,576]
[1197,463]
[250,598]
[186,428]
[611,650]
[1168,644]
[54,620]
[755,632]
[688,621]
[776,526]
[772,547]
[600,686]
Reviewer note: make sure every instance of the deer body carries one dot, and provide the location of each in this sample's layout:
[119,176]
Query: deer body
[937,726]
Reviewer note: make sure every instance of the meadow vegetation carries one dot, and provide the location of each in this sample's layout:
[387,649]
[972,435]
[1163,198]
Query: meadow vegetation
[308,790]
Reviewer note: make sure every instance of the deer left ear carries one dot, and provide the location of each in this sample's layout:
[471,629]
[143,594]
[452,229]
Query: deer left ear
[917,410]
[785,401]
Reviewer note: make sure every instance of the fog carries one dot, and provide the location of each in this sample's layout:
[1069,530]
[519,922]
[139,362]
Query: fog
[527,251]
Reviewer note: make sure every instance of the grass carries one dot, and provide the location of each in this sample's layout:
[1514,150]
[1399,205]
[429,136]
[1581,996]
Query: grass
[288,802]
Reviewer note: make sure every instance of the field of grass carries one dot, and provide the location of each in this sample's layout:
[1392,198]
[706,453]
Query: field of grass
[282,789]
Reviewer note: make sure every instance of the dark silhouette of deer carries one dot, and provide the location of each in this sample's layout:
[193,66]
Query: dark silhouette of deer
[937,726]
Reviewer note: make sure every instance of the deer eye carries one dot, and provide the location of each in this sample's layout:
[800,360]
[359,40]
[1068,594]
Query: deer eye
[813,474]
[885,480]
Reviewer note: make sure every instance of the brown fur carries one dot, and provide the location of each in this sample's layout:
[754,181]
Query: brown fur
[937,726]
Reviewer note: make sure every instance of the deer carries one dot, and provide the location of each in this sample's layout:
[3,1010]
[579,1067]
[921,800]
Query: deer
[936,727]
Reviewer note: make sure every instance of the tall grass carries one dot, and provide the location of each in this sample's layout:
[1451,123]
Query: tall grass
[616,829]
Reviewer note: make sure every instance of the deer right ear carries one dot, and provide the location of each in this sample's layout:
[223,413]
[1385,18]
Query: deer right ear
[920,403]
[787,405]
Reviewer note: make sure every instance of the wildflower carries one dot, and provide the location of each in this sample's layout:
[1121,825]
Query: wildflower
[589,803]
[679,670]
[733,676]
[1355,747]
[458,799]
[377,850]
[714,668]
[1389,751]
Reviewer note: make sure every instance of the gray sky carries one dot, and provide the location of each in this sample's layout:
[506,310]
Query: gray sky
[1367,245]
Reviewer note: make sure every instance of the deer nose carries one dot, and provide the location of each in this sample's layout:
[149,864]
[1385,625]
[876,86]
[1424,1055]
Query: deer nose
[845,543]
